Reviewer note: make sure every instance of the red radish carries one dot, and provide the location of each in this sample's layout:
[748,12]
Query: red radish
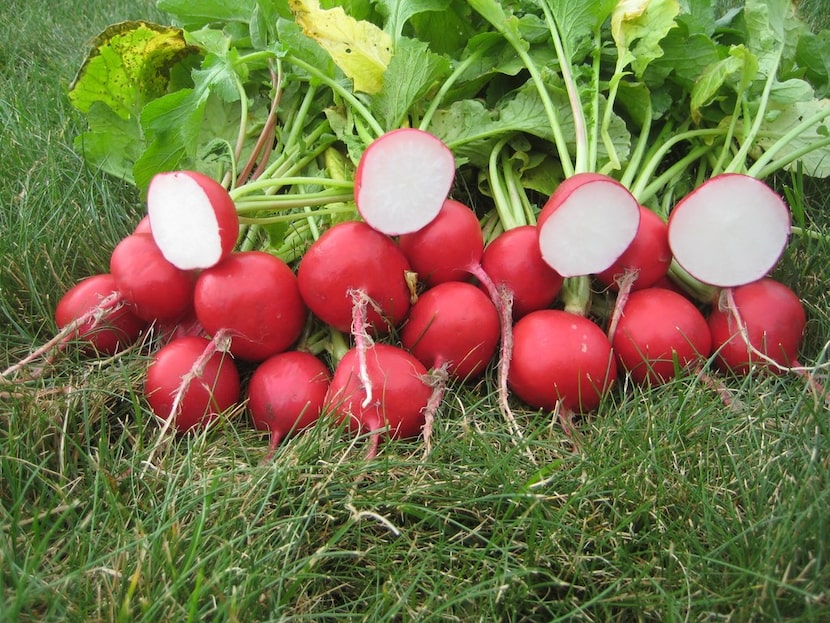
[513,260]
[399,397]
[156,289]
[764,327]
[648,256]
[402,180]
[453,323]
[286,394]
[588,222]
[446,248]
[730,231]
[107,327]
[189,383]
[254,297]
[143,226]
[352,257]
[660,333]
[193,218]
[560,359]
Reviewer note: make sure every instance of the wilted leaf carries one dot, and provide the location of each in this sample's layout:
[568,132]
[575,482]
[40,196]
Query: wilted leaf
[359,48]
[129,65]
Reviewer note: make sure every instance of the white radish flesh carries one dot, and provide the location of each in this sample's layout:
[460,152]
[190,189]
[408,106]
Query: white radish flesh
[588,222]
[730,231]
[192,217]
[402,180]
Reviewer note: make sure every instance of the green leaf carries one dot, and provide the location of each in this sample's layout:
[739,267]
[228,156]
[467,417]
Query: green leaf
[412,71]
[194,15]
[577,21]
[111,144]
[740,61]
[817,162]
[638,26]
[813,54]
[398,12]
[130,64]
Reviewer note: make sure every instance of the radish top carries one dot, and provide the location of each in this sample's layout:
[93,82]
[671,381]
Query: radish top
[730,231]
[193,219]
[402,180]
[588,222]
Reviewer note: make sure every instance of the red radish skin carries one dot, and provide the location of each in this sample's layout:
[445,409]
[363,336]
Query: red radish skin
[586,224]
[660,333]
[156,289]
[453,323]
[192,217]
[648,256]
[770,317]
[254,297]
[192,389]
[352,257]
[109,328]
[445,249]
[402,180]
[513,260]
[286,394]
[400,391]
[143,226]
[562,360]
[730,231]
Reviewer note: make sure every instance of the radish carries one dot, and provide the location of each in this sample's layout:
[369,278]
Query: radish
[453,323]
[286,394]
[402,180]
[730,231]
[659,334]
[647,258]
[447,248]
[400,393]
[586,224]
[513,260]
[156,289]
[193,218]
[189,383]
[99,314]
[253,296]
[562,360]
[762,326]
[352,257]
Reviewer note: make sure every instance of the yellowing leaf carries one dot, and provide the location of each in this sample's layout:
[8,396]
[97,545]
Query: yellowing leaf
[359,48]
[129,64]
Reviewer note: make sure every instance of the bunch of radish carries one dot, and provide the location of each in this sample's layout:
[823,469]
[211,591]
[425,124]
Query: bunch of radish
[425,300]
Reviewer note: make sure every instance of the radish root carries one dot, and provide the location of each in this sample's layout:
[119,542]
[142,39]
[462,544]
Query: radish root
[96,315]
[220,343]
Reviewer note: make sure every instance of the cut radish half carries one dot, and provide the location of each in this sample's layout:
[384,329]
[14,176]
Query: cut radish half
[402,180]
[730,231]
[192,218]
[588,222]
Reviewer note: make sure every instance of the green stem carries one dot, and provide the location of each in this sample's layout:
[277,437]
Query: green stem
[290,201]
[738,163]
[335,86]
[435,102]
[297,216]
[580,128]
[274,184]
[763,166]
[679,167]
[576,295]
[636,159]
[501,199]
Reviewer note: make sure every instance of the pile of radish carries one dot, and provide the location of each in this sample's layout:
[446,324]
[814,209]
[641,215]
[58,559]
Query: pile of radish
[515,212]
[419,301]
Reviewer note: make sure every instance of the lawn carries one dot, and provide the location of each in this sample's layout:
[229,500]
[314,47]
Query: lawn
[675,507]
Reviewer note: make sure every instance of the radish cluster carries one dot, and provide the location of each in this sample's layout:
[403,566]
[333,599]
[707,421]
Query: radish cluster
[423,297]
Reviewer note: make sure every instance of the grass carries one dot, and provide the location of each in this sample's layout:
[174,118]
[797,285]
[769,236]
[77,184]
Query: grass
[675,508]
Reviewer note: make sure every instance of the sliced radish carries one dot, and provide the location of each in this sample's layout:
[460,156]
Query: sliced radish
[192,218]
[730,231]
[587,223]
[402,180]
